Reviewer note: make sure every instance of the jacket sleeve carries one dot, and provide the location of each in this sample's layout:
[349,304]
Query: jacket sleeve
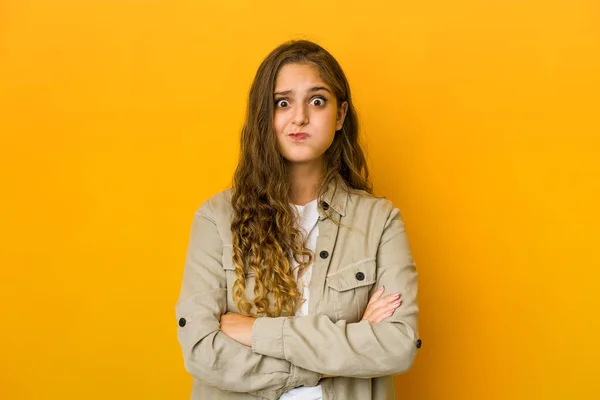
[362,349]
[208,353]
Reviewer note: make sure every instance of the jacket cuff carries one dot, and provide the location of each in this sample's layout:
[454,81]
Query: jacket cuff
[267,336]
[303,377]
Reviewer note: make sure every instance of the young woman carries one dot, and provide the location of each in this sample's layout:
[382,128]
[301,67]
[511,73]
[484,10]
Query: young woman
[298,283]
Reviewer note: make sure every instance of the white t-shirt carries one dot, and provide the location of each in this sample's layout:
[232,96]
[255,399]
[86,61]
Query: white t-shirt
[308,217]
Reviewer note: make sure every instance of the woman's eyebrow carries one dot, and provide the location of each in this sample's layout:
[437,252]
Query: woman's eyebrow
[311,90]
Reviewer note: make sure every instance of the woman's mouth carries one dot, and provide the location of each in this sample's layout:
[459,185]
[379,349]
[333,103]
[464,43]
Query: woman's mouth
[298,136]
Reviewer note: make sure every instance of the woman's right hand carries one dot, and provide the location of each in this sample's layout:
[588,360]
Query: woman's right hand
[379,308]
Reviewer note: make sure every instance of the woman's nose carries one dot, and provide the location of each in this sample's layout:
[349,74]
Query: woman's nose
[301,115]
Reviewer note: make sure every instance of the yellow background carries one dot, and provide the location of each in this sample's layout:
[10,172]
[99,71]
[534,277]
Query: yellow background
[118,118]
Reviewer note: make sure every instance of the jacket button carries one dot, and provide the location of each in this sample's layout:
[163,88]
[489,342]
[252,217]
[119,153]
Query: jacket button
[182,322]
[324,254]
[325,206]
[360,276]
[418,344]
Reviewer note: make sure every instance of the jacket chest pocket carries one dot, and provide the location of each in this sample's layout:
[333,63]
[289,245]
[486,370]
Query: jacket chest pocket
[350,288]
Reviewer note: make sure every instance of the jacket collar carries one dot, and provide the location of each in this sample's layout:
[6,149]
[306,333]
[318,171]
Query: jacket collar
[335,196]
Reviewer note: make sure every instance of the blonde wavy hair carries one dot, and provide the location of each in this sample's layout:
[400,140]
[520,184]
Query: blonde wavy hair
[265,233]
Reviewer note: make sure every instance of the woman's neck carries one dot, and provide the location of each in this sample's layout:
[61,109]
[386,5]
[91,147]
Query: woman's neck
[305,180]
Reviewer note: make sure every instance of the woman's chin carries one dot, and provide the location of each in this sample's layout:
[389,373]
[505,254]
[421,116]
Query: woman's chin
[297,160]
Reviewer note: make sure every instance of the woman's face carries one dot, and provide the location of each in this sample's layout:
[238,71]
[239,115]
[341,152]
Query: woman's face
[306,114]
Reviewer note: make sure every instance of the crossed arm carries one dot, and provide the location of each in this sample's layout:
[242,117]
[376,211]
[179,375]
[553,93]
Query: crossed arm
[226,350]
[239,327]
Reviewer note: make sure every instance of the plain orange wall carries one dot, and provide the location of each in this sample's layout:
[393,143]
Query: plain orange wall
[118,118]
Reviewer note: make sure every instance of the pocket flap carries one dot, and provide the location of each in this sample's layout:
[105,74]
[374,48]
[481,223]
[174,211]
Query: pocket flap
[354,275]
[228,261]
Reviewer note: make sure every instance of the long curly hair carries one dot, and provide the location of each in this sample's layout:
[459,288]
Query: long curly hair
[265,233]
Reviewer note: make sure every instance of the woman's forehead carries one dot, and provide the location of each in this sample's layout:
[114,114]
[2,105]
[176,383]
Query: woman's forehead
[292,77]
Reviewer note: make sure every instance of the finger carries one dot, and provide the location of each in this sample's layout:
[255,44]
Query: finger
[384,301]
[376,295]
[382,314]
[380,303]
[367,313]
[391,297]
[372,300]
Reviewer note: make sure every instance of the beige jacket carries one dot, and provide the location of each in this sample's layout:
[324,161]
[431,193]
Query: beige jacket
[367,250]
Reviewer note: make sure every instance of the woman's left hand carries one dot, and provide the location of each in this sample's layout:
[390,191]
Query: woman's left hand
[238,327]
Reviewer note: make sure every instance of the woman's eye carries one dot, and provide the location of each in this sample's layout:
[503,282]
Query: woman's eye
[281,103]
[318,101]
